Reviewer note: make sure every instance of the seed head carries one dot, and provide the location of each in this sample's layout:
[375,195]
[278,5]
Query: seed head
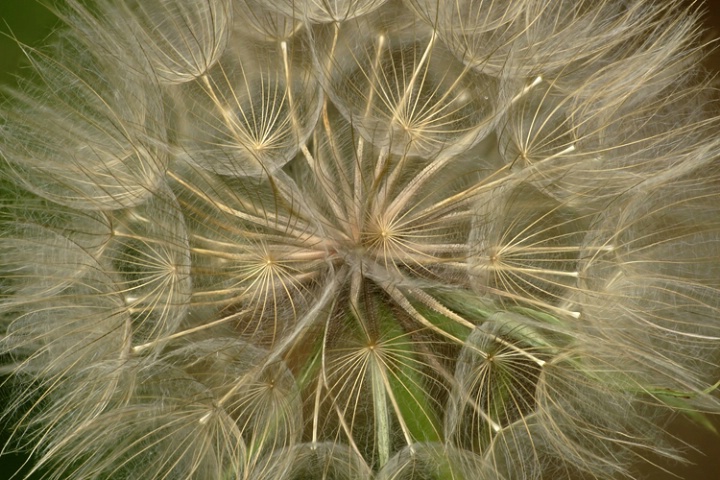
[359,239]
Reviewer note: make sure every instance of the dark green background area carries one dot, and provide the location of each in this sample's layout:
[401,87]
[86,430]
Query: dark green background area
[30,23]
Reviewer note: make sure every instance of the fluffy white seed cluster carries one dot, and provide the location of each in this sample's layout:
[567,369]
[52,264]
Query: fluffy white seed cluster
[359,239]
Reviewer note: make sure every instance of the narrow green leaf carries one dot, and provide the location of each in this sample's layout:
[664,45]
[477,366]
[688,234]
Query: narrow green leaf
[382,413]
[680,400]
[408,384]
[442,322]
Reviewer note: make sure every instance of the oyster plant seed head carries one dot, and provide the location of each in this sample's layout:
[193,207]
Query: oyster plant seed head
[359,239]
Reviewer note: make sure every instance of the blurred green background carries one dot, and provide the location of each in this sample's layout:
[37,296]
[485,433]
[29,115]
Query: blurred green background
[29,22]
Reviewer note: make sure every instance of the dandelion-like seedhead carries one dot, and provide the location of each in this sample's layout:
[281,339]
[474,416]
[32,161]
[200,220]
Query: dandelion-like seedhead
[360,239]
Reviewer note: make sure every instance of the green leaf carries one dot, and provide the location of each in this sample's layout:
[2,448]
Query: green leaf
[680,400]
[407,383]
[444,323]
[382,412]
